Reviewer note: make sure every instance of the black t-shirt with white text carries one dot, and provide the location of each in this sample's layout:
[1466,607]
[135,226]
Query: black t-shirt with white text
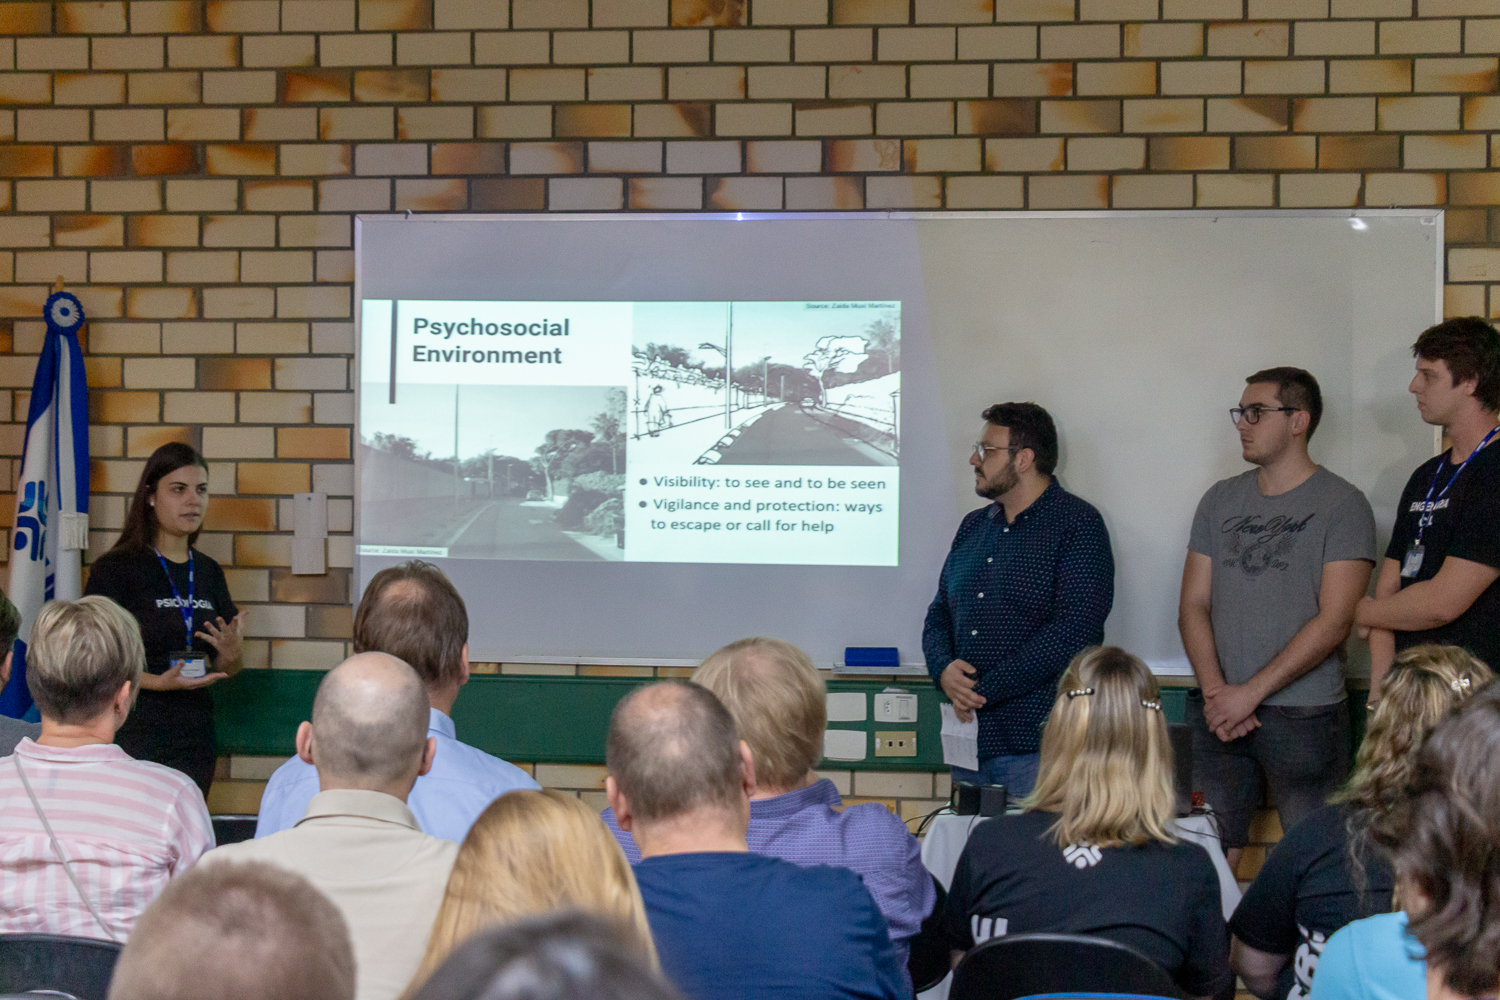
[1465,525]
[134,579]
[1160,899]
[1307,889]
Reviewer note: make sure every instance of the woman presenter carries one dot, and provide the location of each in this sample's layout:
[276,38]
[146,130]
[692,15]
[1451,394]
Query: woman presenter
[189,623]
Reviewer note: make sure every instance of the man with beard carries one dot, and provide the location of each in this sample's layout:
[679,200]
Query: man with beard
[1026,586]
[1278,558]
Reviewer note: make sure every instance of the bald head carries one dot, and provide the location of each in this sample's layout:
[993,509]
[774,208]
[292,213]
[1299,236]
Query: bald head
[369,724]
[673,748]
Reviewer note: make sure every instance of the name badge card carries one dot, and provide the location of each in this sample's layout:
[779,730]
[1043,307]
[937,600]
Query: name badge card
[194,663]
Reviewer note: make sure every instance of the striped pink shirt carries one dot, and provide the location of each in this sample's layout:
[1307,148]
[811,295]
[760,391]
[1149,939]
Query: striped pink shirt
[126,825]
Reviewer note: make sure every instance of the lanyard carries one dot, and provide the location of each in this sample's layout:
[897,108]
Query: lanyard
[1426,518]
[185,610]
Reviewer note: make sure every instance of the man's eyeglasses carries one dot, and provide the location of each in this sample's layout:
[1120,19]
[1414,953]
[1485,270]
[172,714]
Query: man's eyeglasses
[982,450]
[1252,414]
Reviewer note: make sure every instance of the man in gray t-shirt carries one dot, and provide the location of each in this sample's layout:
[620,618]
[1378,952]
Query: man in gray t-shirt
[1278,558]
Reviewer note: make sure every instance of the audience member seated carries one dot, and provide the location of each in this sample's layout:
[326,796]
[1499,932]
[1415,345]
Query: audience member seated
[729,923]
[358,843]
[560,956]
[531,853]
[1095,852]
[415,614]
[1325,872]
[12,731]
[1443,836]
[90,834]
[779,704]
[237,932]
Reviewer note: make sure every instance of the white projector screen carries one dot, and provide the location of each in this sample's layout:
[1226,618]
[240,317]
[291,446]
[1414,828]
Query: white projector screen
[544,412]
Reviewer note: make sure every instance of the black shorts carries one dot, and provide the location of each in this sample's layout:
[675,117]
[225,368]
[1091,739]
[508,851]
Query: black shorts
[1300,754]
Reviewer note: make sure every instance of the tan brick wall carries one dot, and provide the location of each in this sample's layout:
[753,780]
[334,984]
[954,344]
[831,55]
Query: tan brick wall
[191,169]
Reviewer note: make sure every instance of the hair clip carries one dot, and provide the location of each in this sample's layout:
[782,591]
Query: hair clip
[1461,684]
[1153,705]
[1079,691]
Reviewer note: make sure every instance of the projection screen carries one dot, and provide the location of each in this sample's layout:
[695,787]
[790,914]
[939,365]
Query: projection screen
[543,408]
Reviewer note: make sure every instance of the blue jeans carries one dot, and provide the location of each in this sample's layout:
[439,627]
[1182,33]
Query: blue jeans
[1016,772]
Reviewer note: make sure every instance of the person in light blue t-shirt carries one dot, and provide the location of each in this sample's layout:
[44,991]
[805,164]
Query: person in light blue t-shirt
[1443,835]
[412,611]
[1371,959]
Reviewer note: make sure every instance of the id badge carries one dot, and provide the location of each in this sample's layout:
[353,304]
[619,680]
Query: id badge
[194,663]
[1413,562]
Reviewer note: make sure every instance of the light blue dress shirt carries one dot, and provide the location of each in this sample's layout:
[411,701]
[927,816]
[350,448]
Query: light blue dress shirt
[1371,959]
[446,800]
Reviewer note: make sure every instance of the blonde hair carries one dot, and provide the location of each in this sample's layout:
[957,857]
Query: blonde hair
[779,704]
[1106,760]
[1425,683]
[80,653]
[534,852]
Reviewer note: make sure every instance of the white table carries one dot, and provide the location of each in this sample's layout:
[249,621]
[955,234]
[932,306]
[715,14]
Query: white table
[948,833]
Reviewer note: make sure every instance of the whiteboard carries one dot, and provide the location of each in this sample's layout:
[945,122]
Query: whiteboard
[1135,330]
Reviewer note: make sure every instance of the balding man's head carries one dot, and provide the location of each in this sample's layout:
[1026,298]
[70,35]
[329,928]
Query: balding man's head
[369,724]
[672,749]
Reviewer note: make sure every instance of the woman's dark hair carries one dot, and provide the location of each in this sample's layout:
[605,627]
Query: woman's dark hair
[566,955]
[1031,427]
[140,523]
[1444,839]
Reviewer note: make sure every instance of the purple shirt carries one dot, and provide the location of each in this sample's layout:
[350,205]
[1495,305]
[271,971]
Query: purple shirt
[805,828]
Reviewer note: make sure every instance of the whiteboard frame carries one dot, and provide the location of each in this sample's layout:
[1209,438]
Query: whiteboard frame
[1436,215]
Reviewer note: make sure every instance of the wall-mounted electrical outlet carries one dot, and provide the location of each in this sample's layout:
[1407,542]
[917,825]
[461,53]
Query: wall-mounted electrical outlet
[895,743]
[894,707]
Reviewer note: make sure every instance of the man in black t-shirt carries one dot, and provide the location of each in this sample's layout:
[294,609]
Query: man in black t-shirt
[1440,581]
[1160,899]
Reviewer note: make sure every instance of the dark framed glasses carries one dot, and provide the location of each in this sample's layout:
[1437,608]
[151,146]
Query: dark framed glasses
[1252,414]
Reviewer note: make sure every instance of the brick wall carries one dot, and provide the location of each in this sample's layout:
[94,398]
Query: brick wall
[191,167]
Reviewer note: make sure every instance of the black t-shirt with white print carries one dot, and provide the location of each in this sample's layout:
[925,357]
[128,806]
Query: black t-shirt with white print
[1465,525]
[1160,899]
[134,579]
[1307,889]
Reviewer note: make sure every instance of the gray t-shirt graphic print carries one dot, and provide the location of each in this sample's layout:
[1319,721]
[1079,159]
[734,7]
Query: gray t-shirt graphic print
[1268,555]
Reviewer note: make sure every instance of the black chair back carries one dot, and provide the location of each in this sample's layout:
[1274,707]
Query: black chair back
[233,828]
[1025,965]
[928,961]
[81,967]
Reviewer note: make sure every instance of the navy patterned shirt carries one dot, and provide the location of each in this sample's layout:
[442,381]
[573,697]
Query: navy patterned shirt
[1018,601]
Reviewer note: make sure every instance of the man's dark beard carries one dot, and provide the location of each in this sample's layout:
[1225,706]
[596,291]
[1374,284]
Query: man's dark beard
[1008,480]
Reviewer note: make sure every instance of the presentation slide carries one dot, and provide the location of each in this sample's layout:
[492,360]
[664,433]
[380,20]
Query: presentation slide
[666,432]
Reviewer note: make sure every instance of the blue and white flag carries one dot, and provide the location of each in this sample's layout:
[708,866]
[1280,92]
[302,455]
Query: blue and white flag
[51,526]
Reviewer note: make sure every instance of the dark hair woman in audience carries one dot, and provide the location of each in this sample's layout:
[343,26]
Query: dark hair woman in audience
[566,955]
[1324,872]
[1443,836]
[188,620]
[1096,851]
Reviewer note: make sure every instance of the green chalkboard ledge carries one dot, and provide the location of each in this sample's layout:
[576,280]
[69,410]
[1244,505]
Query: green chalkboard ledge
[563,720]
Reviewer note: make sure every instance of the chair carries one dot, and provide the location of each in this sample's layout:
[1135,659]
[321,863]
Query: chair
[1030,965]
[233,828]
[928,961]
[79,967]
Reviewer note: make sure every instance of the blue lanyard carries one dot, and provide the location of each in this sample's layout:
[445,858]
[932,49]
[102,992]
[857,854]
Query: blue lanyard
[187,610]
[1426,518]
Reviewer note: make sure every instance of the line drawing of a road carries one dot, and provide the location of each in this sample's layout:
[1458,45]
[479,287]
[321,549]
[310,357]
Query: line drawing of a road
[789,435]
